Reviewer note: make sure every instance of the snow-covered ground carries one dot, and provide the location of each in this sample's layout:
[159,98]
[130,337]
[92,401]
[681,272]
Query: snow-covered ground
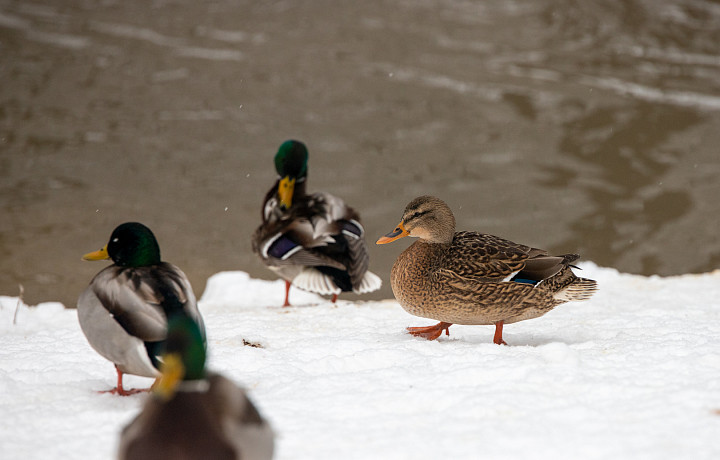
[633,373]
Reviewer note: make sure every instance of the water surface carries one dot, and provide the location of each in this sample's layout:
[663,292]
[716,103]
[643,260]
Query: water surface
[566,125]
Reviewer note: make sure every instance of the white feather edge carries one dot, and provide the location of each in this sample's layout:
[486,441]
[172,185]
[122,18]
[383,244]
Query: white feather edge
[312,280]
[510,276]
[370,282]
[582,289]
[266,246]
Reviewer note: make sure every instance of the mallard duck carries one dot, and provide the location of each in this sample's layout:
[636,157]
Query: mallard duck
[314,242]
[474,278]
[192,413]
[123,312]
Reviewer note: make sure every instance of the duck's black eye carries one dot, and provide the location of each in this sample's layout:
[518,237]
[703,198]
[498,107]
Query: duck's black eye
[417,214]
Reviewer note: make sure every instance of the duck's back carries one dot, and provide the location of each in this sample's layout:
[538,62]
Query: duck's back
[180,429]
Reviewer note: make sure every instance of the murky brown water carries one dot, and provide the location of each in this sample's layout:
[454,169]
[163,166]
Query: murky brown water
[569,125]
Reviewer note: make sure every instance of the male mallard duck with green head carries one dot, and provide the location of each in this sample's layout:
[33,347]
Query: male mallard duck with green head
[314,242]
[194,414]
[474,278]
[123,312]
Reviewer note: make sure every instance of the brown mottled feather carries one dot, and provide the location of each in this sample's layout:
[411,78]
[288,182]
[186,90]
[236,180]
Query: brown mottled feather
[465,277]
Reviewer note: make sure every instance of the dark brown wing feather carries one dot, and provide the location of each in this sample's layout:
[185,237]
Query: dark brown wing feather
[315,222]
[486,257]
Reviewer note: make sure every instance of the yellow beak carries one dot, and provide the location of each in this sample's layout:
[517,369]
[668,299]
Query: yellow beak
[97,255]
[172,370]
[396,234]
[285,191]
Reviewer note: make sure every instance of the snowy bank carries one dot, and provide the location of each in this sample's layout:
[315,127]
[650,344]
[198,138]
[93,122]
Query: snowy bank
[633,373]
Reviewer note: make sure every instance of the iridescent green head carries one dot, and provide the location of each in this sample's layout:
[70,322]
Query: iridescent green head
[184,355]
[186,340]
[131,245]
[291,165]
[291,159]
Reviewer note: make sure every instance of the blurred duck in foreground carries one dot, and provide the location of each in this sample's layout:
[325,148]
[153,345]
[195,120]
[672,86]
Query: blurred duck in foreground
[123,312]
[474,278]
[314,242]
[193,414]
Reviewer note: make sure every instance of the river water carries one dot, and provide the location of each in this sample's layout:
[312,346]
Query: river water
[576,126]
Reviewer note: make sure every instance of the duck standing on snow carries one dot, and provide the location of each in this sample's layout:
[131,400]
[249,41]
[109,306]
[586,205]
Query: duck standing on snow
[123,312]
[194,414]
[474,278]
[314,242]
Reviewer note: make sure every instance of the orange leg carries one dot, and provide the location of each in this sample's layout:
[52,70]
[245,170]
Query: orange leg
[430,332]
[334,298]
[497,339]
[287,294]
[119,390]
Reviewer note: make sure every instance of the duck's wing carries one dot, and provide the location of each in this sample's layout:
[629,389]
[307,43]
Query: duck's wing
[315,232]
[475,258]
[479,258]
[320,231]
[180,284]
[485,257]
[135,296]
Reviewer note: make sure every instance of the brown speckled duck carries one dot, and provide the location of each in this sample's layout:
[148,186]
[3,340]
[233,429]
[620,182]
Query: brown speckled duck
[312,241]
[474,278]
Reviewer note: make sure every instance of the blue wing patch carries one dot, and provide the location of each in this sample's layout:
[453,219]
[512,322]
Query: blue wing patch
[283,247]
[525,280]
[352,228]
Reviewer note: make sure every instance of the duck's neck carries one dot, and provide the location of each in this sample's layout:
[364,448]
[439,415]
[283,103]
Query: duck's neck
[300,188]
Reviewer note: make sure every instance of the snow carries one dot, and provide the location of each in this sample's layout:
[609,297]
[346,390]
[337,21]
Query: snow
[634,373]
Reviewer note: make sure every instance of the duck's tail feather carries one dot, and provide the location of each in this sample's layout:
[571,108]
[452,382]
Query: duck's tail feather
[370,282]
[579,289]
[314,281]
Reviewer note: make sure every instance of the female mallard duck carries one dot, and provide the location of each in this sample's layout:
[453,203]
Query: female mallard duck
[314,242]
[123,312]
[194,414]
[474,278]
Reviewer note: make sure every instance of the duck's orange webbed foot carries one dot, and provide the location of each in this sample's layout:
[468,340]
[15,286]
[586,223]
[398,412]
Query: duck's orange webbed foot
[119,390]
[430,332]
[124,392]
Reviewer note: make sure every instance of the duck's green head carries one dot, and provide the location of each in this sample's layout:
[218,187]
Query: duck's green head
[291,165]
[131,245]
[184,355]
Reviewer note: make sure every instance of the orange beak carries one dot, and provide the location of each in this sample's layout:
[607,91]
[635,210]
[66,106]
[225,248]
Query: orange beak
[396,234]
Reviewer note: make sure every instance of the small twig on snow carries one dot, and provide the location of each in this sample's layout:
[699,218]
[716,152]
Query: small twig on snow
[20,298]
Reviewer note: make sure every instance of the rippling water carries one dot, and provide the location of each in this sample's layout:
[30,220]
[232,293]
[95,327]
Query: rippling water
[571,125]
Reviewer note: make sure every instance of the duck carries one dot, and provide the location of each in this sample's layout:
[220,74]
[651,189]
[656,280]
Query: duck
[193,413]
[123,311]
[313,241]
[474,278]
